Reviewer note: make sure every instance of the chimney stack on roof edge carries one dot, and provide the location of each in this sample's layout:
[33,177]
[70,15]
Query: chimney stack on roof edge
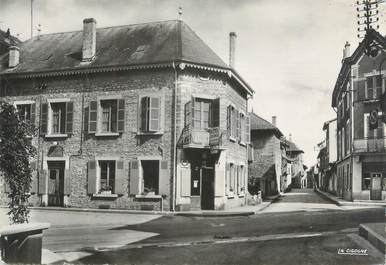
[232,49]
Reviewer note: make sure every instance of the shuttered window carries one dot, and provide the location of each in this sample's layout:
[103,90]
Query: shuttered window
[202,113]
[26,112]
[60,114]
[106,116]
[150,114]
[247,129]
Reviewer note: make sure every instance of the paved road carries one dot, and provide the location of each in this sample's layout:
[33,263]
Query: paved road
[300,228]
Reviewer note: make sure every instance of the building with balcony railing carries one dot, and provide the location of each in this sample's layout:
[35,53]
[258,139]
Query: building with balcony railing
[142,116]
[361,152]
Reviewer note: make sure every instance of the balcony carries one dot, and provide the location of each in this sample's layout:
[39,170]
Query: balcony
[210,138]
[370,145]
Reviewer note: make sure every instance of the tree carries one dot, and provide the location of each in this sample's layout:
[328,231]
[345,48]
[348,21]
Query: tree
[16,150]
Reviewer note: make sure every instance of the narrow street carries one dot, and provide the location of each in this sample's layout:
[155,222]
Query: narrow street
[300,228]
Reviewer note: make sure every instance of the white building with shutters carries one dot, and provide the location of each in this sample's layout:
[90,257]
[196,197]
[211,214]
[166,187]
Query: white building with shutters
[141,116]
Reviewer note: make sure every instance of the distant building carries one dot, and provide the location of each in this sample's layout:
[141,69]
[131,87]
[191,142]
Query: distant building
[265,168]
[295,156]
[361,151]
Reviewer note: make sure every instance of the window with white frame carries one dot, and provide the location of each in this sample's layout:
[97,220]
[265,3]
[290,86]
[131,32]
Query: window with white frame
[109,115]
[58,117]
[202,113]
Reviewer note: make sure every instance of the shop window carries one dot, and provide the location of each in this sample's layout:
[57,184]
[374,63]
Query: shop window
[366,181]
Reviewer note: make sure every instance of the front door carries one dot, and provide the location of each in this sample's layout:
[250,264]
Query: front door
[207,190]
[55,186]
[376,191]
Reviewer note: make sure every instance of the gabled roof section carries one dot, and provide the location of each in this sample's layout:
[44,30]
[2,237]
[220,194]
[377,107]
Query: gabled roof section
[344,73]
[260,124]
[292,146]
[7,40]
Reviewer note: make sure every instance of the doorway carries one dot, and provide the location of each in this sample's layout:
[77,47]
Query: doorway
[376,186]
[207,194]
[56,184]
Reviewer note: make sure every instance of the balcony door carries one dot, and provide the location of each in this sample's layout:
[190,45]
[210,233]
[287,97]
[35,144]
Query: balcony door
[376,186]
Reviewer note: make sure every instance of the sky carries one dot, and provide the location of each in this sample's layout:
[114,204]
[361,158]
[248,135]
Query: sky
[290,52]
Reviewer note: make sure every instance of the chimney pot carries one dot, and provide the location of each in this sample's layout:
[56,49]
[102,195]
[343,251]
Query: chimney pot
[14,56]
[274,121]
[346,50]
[89,39]
[232,49]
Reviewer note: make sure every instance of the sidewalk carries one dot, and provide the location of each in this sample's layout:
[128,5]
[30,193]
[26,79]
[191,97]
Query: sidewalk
[342,202]
[236,211]
[375,233]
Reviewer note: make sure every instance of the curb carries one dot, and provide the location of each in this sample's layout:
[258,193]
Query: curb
[373,237]
[349,203]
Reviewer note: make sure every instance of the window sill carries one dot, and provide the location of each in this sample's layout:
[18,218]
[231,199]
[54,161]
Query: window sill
[140,196]
[106,134]
[101,195]
[150,133]
[241,195]
[58,135]
[243,143]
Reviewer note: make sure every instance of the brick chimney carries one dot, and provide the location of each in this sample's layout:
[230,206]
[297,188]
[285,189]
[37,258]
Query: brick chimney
[346,50]
[14,55]
[89,39]
[232,49]
[274,121]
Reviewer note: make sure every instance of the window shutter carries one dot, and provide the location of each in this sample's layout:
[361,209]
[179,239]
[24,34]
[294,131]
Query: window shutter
[185,181]
[220,182]
[43,182]
[93,116]
[164,180]
[86,116]
[134,177]
[154,115]
[69,116]
[91,177]
[43,118]
[120,183]
[216,113]
[229,121]
[34,181]
[188,113]
[121,115]
[33,113]
[144,117]
[227,178]
[237,125]
[196,121]
[247,129]
[67,182]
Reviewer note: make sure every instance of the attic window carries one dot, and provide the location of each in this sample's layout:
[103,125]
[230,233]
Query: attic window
[139,52]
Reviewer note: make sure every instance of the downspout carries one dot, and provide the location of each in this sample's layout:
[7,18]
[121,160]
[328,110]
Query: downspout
[174,137]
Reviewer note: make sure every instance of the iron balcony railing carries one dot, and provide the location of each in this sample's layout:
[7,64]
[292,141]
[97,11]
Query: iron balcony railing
[365,145]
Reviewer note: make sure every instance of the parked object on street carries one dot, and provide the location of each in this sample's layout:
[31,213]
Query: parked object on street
[22,243]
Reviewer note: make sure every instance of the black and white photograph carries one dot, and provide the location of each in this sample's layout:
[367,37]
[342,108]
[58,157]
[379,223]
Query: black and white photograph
[186,132]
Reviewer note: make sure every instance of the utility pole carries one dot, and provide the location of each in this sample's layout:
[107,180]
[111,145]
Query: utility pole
[368,20]
[32,18]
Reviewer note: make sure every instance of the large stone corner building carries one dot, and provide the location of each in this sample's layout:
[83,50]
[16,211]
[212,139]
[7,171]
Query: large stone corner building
[141,116]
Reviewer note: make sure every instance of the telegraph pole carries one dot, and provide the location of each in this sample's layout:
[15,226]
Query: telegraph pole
[368,18]
[32,18]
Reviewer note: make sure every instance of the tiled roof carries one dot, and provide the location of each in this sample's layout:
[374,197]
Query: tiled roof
[258,123]
[292,147]
[149,43]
